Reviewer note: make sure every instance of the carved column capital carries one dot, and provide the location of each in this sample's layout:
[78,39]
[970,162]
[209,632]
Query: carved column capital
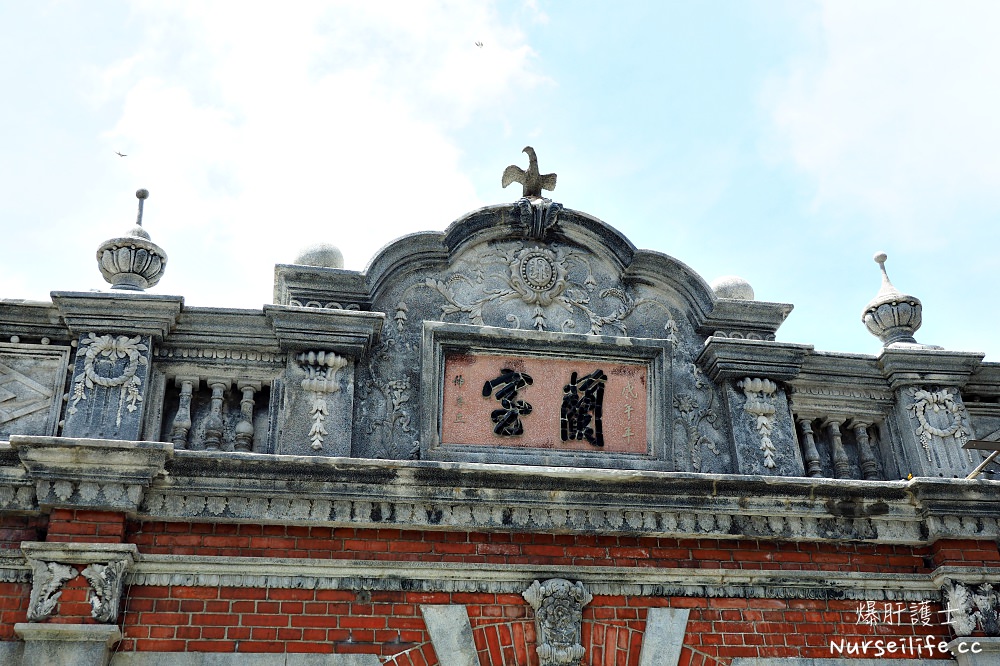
[103,565]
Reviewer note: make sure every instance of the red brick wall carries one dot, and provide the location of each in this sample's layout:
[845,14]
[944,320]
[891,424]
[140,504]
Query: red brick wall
[390,623]
[229,540]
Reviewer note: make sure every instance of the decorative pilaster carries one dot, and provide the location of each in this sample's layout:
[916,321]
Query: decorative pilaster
[321,369]
[809,451]
[558,606]
[933,422]
[116,334]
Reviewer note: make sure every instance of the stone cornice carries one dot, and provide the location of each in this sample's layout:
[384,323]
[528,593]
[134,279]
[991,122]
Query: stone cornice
[346,332]
[308,490]
[471,496]
[728,358]
[197,571]
[90,473]
[907,367]
[131,313]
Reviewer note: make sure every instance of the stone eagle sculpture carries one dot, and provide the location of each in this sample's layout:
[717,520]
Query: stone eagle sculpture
[531,182]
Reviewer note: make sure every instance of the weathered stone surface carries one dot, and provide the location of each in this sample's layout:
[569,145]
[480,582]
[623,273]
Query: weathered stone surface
[32,378]
[67,644]
[764,440]
[451,634]
[105,474]
[664,636]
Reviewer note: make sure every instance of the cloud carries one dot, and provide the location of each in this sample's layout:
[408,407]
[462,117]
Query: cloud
[894,115]
[260,131]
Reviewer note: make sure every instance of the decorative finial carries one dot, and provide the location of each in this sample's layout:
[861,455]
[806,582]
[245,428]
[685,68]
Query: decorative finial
[141,195]
[532,183]
[133,261]
[892,316]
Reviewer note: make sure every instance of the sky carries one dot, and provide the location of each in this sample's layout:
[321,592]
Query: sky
[784,142]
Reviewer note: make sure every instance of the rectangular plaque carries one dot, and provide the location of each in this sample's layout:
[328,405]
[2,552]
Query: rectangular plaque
[560,414]
[510,396]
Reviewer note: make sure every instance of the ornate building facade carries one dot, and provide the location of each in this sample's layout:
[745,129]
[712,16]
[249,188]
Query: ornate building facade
[519,441]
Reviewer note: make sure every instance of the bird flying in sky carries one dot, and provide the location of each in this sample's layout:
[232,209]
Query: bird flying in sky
[479,44]
[120,154]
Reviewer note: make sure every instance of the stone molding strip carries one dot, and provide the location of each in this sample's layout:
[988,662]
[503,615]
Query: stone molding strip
[241,659]
[201,571]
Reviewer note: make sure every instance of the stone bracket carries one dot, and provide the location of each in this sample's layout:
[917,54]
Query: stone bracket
[906,367]
[134,314]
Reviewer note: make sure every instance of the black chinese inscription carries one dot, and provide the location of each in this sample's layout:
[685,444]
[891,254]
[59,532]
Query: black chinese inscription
[508,417]
[582,406]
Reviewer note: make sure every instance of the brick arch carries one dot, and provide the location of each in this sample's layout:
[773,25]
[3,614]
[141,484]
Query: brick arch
[693,657]
[505,642]
[419,655]
[613,644]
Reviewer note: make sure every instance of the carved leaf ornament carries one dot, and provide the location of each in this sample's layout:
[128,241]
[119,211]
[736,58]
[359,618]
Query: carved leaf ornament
[108,350]
[760,406]
[558,606]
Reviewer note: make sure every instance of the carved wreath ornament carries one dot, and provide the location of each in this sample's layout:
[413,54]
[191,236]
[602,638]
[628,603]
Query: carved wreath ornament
[941,406]
[108,351]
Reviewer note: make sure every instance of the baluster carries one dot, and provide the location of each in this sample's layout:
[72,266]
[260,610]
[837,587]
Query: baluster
[214,424]
[244,429]
[869,468]
[182,422]
[809,452]
[841,463]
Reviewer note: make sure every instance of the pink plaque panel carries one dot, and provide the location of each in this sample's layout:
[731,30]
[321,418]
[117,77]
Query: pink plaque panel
[494,400]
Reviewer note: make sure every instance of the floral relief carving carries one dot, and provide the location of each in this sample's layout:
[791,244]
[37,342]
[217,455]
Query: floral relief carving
[760,406]
[939,414]
[558,606]
[109,353]
[321,380]
[537,277]
[47,579]
[105,588]
[972,607]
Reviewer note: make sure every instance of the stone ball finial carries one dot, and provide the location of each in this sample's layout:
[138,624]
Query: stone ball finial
[132,262]
[732,286]
[321,255]
[892,316]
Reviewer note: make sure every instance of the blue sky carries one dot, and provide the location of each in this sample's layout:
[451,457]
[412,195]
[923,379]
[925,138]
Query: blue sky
[785,142]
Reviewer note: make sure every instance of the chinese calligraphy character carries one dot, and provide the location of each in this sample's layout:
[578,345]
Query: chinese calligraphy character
[507,419]
[920,613]
[628,434]
[867,613]
[583,403]
[629,391]
[458,381]
[628,412]
[891,611]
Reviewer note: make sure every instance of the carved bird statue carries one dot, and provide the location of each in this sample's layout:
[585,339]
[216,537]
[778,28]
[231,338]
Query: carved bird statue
[531,182]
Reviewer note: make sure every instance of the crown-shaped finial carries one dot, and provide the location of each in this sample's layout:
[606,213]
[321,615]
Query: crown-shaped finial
[132,262]
[892,316]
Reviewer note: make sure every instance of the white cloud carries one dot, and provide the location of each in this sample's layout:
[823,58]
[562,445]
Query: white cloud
[260,131]
[895,114]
